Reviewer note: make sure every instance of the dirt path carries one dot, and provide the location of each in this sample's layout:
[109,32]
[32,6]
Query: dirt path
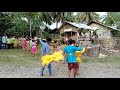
[87,70]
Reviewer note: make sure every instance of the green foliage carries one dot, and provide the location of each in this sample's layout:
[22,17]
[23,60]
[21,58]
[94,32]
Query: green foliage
[15,23]
[47,35]
[62,34]
[86,17]
[116,33]
[84,31]
[5,22]
[113,19]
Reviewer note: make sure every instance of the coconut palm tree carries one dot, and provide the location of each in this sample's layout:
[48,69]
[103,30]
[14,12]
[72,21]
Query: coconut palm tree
[87,17]
[62,16]
[30,16]
[112,19]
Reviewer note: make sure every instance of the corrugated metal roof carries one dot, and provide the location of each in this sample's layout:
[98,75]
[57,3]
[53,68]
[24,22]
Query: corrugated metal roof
[84,26]
[103,25]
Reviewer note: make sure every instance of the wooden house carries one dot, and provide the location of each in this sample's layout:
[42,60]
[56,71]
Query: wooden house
[55,34]
[69,30]
[105,33]
[102,31]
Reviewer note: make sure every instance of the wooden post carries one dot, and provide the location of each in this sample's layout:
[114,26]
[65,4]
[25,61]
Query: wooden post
[90,34]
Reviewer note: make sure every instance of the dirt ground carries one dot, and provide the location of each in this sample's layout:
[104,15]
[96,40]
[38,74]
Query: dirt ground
[59,70]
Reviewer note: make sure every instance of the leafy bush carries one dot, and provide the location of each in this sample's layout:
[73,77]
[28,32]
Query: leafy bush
[62,34]
[47,35]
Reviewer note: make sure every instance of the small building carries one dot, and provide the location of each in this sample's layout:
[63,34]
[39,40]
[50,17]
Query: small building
[55,34]
[69,30]
[105,33]
[102,30]
[72,29]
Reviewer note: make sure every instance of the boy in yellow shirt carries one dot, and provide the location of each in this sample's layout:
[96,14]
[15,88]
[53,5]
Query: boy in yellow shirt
[78,55]
[8,43]
[16,42]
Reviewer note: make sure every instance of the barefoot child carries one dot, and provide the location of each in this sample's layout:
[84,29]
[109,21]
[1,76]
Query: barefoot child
[34,48]
[24,44]
[71,58]
[78,55]
[27,45]
[30,44]
[16,42]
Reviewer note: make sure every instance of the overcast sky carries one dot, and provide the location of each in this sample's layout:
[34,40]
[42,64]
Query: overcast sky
[102,13]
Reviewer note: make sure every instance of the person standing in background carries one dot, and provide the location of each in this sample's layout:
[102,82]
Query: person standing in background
[16,42]
[12,39]
[30,44]
[34,48]
[8,43]
[4,41]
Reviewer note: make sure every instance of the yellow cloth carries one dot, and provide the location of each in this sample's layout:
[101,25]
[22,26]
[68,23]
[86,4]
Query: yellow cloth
[63,46]
[8,41]
[15,42]
[56,56]
[78,54]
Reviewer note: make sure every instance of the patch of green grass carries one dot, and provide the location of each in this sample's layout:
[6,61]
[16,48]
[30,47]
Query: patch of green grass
[108,59]
[18,57]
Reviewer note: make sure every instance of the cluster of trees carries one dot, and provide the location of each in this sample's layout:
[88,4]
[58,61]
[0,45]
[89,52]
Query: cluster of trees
[31,23]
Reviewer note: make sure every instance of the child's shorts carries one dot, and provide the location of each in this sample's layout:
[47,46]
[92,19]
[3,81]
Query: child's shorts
[73,65]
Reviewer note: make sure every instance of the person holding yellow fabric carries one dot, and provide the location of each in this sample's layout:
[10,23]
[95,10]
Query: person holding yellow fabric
[55,57]
[8,43]
[45,51]
[70,58]
[16,42]
[78,55]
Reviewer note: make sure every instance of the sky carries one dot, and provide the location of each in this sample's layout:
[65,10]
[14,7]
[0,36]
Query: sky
[102,13]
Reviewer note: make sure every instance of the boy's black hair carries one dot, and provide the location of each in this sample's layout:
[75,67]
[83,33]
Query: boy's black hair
[73,41]
[44,41]
[49,39]
[27,39]
[70,41]
[55,41]
[33,40]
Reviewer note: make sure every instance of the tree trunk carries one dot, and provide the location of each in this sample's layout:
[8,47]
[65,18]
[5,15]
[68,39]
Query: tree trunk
[90,35]
[23,33]
[37,33]
[41,33]
[56,25]
[30,29]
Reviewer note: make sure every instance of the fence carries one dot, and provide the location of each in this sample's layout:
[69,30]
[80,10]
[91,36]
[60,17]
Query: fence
[104,46]
[110,42]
